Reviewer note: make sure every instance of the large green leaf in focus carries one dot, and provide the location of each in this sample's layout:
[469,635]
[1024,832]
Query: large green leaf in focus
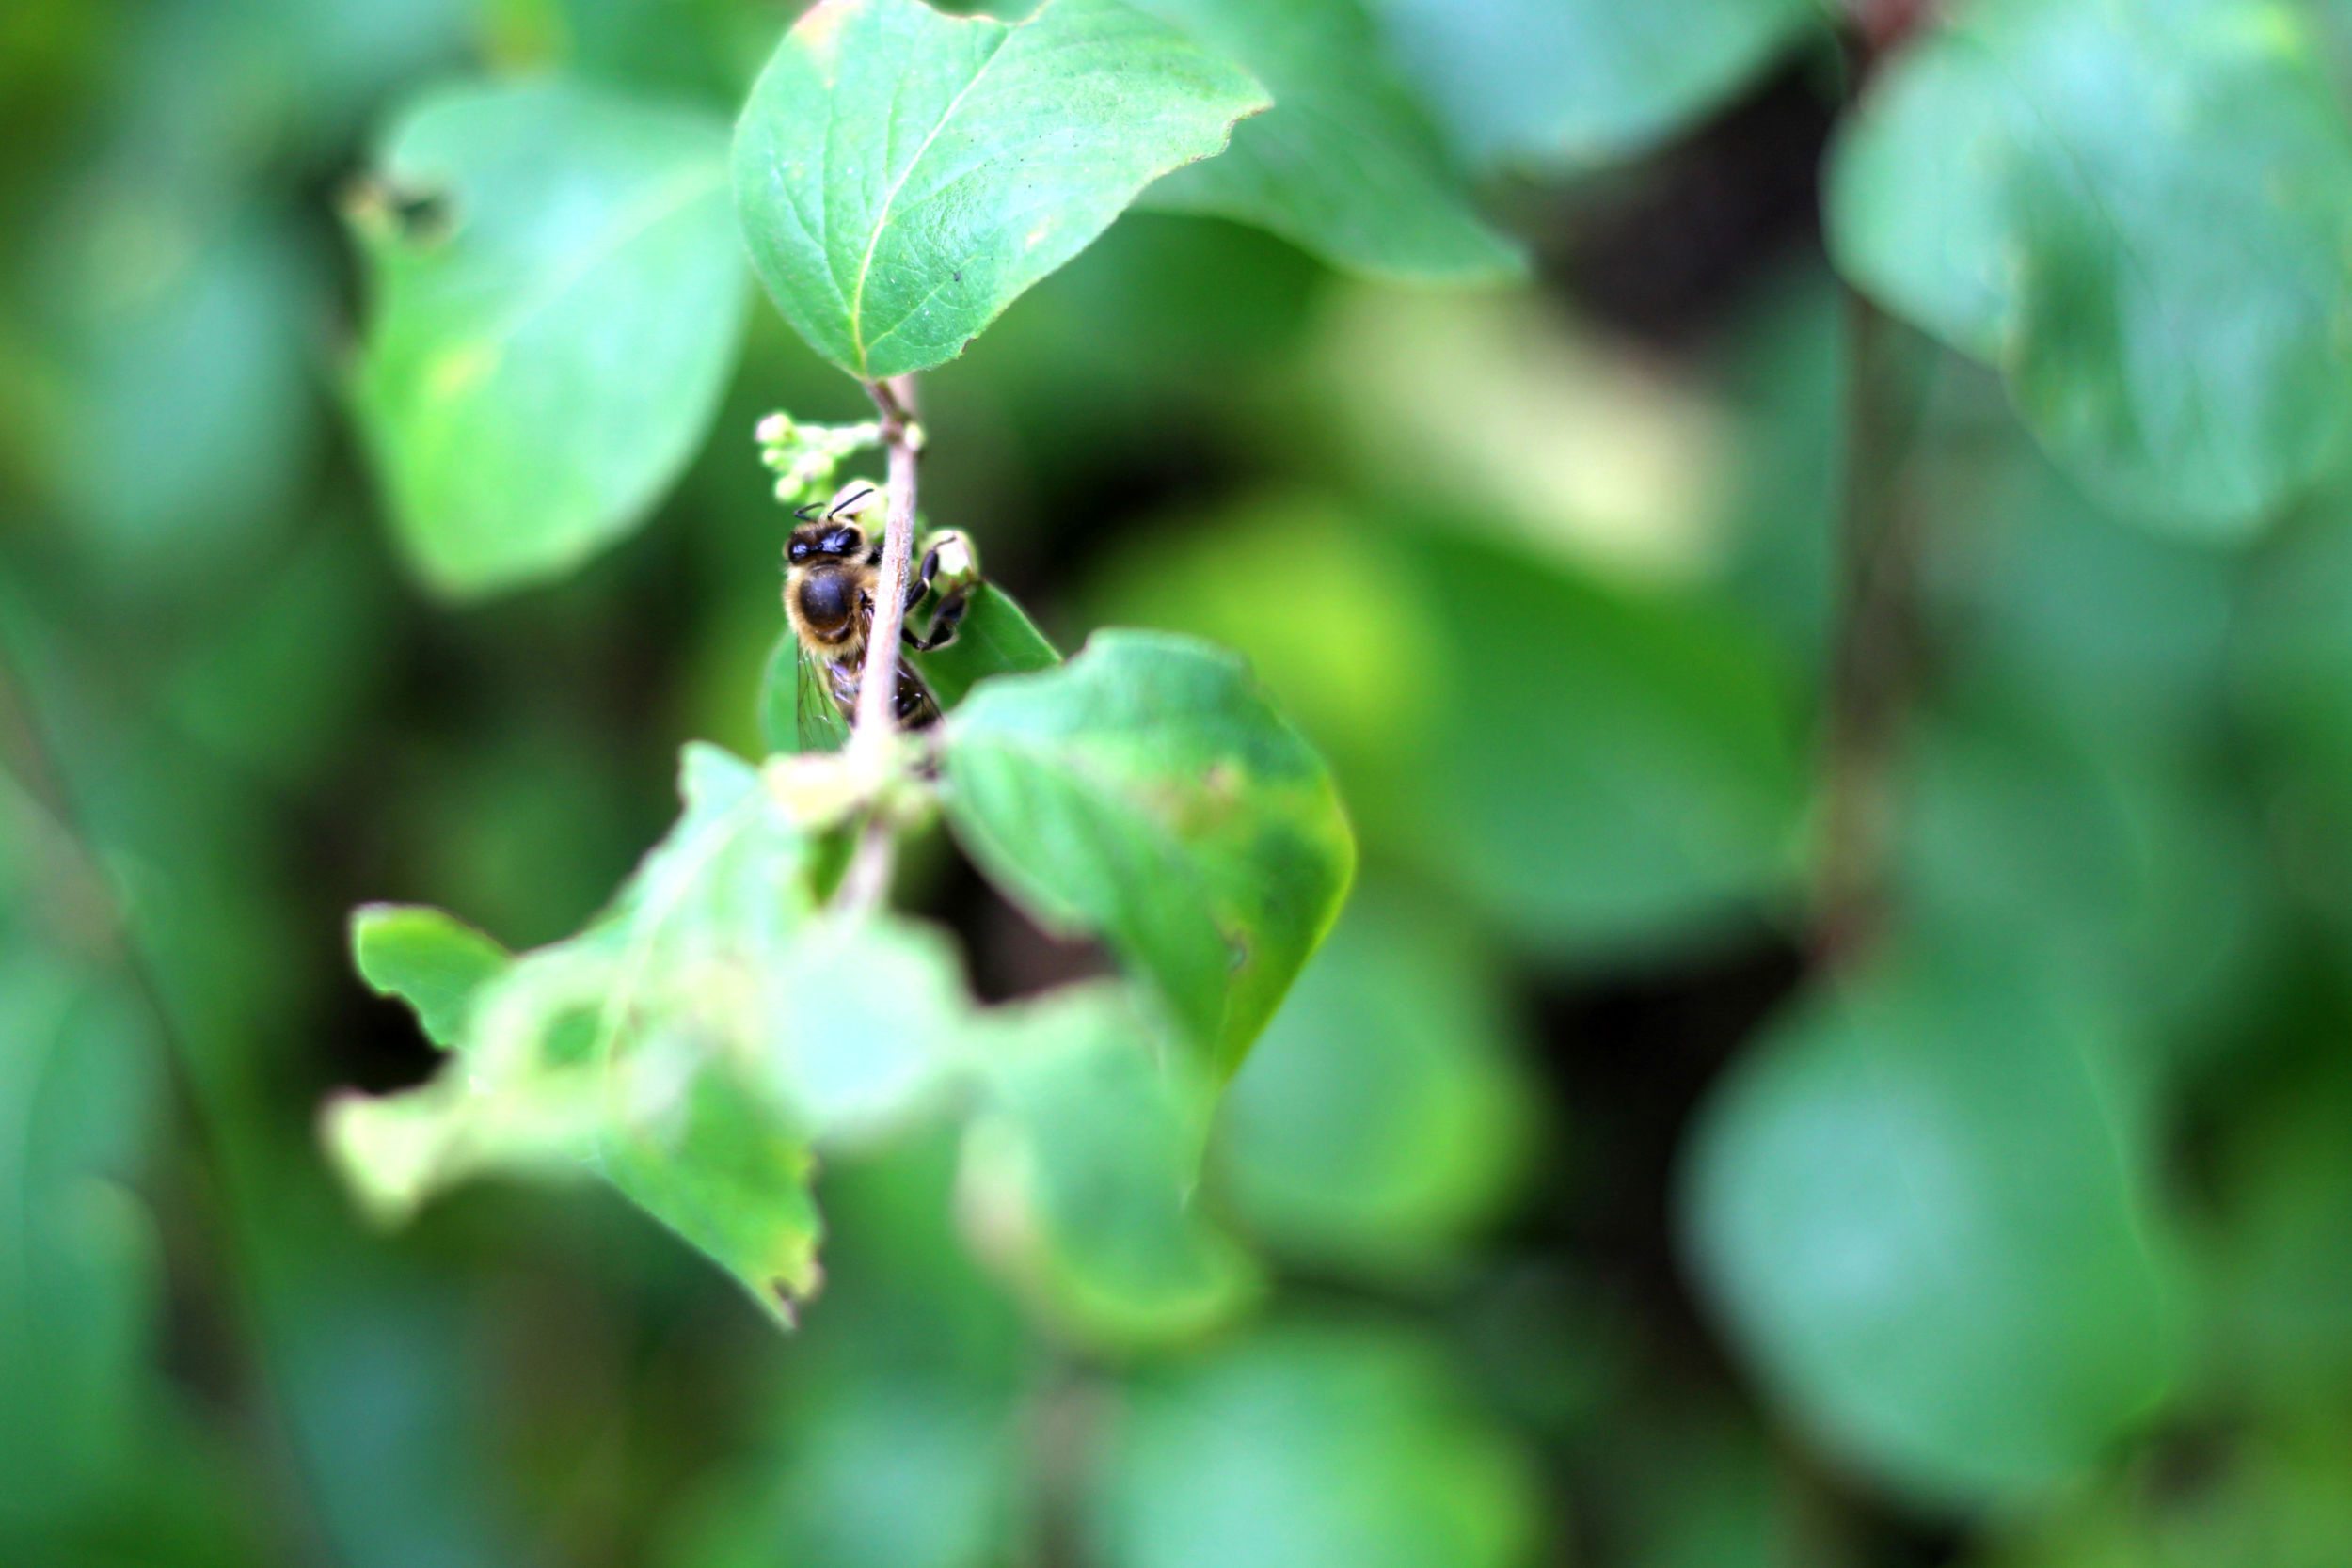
[557,297]
[902,176]
[1079,1165]
[1147,792]
[1544,83]
[637,1048]
[1307,1446]
[1347,163]
[1385,1113]
[1923,1213]
[2137,208]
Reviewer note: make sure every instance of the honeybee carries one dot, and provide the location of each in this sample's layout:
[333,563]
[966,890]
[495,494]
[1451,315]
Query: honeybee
[833,569]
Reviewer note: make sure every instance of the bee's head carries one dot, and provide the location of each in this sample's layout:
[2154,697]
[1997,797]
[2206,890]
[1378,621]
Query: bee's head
[832,534]
[821,541]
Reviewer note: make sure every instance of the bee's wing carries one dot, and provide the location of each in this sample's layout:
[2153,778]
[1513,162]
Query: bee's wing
[821,724]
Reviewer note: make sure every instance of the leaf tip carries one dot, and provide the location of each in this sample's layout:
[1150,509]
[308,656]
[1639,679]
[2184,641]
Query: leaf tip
[788,1292]
[383,1163]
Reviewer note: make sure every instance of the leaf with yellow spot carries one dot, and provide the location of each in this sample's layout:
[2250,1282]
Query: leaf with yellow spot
[1149,793]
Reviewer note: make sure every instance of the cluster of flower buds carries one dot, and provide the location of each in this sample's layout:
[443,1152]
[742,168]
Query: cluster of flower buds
[806,457]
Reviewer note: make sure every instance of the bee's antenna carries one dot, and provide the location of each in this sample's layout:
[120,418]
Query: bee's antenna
[848,500]
[803,512]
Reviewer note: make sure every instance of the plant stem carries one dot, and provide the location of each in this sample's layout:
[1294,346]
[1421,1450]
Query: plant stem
[876,720]
[877,693]
[1873,652]
[1871,617]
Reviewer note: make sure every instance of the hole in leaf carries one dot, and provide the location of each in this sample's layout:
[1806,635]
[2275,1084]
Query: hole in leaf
[419,219]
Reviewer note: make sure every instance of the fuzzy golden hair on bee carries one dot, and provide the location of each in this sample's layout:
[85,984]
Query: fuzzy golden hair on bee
[832,580]
[829,572]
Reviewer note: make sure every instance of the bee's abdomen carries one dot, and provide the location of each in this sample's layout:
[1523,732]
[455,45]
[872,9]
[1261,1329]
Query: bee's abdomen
[916,709]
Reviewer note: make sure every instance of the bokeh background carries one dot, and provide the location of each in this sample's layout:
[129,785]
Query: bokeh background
[1596,1228]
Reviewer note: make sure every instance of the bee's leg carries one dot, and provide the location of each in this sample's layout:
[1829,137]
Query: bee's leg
[920,583]
[944,622]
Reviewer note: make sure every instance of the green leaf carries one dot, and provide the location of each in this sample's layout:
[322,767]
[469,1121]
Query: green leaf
[432,963]
[903,176]
[1385,1113]
[81,1287]
[1078,1167]
[1147,791]
[550,333]
[1926,1220]
[2138,209]
[713,1163]
[1307,1446]
[873,1029]
[1582,82]
[995,638]
[169,491]
[1611,770]
[638,1048]
[81,1295]
[1347,163]
[713,1029]
[2126,867]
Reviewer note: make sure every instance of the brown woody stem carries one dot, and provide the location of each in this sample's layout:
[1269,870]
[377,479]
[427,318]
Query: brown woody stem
[1874,656]
[877,693]
[877,717]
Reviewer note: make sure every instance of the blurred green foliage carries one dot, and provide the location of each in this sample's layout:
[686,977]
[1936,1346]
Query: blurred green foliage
[1581,1200]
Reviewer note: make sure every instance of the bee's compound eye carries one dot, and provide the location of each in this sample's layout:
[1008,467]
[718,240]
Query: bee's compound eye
[797,550]
[844,541]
